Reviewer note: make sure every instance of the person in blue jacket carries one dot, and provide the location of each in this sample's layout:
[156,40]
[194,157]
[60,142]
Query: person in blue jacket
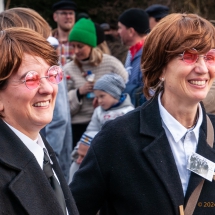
[133,28]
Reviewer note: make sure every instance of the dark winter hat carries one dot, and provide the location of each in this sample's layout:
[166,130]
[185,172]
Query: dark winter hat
[112,84]
[99,34]
[64,5]
[135,18]
[157,11]
[82,15]
[84,31]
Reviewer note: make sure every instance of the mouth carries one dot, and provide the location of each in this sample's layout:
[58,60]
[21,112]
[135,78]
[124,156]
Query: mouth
[42,104]
[198,83]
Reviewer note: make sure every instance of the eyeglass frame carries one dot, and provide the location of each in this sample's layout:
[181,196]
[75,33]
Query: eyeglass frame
[47,77]
[64,13]
[204,56]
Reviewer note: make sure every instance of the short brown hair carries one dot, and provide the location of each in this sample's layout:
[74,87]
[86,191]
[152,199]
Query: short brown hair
[24,17]
[170,37]
[14,43]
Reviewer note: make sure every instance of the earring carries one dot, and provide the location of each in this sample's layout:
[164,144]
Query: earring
[162,79]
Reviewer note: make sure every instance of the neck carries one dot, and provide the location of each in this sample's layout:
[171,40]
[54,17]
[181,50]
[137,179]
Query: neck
[186,115]
[62,35]
[137,39]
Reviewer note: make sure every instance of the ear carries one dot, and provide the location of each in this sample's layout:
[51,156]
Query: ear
[55,16]
[162,76]
[131,32]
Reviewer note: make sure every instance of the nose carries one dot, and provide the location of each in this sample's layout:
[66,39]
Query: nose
[202,66]
[76,50]
[46,87]
[68,15]
[118,31]
[99,101]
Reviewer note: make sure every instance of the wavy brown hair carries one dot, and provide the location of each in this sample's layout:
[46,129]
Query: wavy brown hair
[170,37]
[24,17]
[14,43]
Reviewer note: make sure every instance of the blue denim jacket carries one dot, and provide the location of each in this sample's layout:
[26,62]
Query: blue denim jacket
[134,86]
[58,132]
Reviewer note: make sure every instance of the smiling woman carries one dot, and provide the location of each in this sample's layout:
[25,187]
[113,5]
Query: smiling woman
[32,99]
[28,87]
[185,65]
[148,150]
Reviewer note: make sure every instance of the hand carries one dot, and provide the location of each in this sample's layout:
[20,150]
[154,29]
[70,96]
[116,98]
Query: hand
[86,88]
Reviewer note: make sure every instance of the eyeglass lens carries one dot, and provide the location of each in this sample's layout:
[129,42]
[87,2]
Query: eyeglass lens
[55,74]
[32,79]
[63,13]
[191,57]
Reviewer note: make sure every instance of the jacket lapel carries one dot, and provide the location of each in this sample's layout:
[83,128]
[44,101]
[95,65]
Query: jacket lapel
[29,185]
[33,191]
[70,203]
[159,153]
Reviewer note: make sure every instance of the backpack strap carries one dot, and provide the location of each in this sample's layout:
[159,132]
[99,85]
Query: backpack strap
[191,204]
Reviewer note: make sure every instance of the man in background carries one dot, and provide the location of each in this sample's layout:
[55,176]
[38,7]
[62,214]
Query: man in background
[64,16]
[156,12]
[112,38]
[133,26]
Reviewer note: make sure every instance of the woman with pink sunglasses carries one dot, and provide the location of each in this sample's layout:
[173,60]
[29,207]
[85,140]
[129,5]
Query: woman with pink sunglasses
[156,160]
[31,181]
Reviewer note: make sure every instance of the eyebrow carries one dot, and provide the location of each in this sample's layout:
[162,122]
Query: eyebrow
[23,76]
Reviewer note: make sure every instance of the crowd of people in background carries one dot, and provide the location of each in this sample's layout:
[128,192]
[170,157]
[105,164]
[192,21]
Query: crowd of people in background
[86,47]
[104,123]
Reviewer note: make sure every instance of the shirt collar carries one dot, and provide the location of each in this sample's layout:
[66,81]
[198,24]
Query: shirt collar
[135,48]
[56,35]
[35,146]
[176,129]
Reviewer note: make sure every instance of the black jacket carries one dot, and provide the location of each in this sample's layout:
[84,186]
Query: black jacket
[131,169]
[24,188]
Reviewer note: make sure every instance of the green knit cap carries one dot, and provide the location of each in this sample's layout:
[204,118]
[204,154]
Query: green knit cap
[84,32]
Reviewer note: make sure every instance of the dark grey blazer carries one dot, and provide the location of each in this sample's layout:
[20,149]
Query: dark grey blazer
[131,169]
[24,188]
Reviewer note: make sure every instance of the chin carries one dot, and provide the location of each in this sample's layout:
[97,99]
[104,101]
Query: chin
[200,98]
[45,120]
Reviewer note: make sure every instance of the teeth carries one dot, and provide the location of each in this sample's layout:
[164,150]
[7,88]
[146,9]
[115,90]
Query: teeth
[41,104]
[200,83]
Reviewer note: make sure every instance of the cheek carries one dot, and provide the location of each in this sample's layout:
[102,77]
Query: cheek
[212,73]
[55,90]
[18,103]
[86,52]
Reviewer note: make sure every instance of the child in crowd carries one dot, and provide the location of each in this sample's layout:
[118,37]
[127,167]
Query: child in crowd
[112,103]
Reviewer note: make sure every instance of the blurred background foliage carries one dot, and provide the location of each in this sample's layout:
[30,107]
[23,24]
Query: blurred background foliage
[108,10]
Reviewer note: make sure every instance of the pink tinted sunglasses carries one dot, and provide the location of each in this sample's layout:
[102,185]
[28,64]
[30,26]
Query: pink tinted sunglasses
[54,75]
[192,56]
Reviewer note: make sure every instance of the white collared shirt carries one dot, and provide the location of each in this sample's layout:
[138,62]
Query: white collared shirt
[35,146]
[182,141]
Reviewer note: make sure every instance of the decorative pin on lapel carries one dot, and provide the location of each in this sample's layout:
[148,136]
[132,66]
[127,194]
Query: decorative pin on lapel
[201,166]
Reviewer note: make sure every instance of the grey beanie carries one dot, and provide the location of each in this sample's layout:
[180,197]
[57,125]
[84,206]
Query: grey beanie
[112,84]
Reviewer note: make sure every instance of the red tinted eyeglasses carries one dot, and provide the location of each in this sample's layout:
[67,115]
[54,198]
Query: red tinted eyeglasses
[192,56]
[54,75]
